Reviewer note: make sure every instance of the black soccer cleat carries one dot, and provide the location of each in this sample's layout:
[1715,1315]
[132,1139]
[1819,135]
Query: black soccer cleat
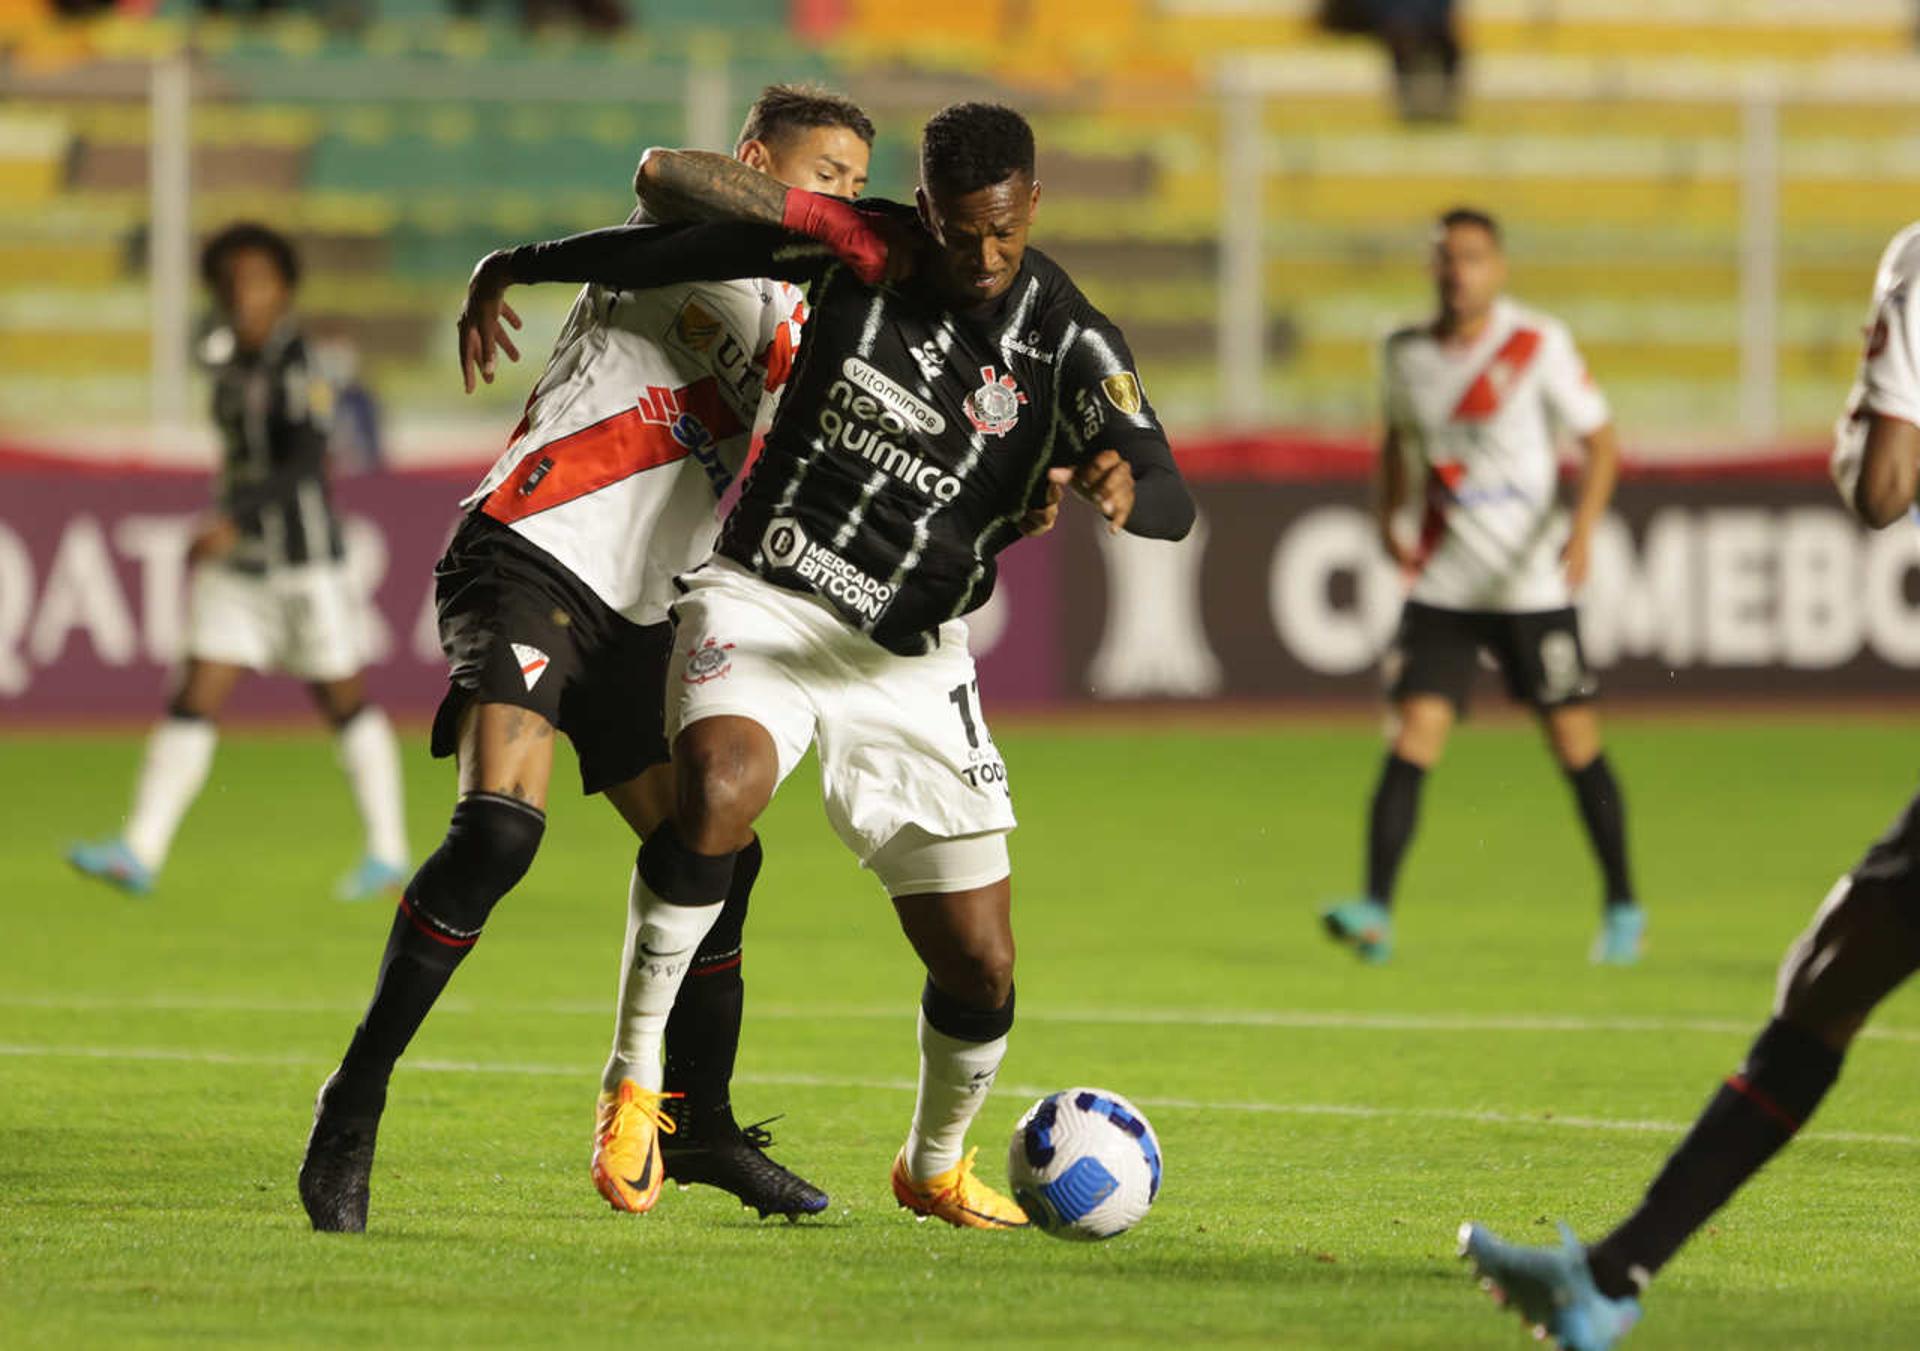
[339,1161]
[720,1153]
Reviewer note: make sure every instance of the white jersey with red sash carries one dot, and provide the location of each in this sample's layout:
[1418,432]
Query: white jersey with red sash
[640,422]
[1889,380]
[1479,423]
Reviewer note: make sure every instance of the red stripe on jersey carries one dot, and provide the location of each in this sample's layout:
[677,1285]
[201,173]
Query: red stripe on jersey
[1443,481]
[1484,396]
[778,358]
[664,425]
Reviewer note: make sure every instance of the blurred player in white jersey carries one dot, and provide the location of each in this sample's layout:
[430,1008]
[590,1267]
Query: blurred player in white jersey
[269,588]
[1476,400]
[553,606]
[1863,943]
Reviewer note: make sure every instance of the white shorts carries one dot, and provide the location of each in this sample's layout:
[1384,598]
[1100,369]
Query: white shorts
[302,620]
[902,740]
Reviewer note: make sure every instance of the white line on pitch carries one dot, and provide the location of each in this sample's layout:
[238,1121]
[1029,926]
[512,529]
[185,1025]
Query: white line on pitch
[1304,1019]
[584,1072]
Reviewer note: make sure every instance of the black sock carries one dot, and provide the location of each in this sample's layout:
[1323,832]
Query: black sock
[1396,806]
[489,845]
[1606,818]
[703,1030]
[1788,1072]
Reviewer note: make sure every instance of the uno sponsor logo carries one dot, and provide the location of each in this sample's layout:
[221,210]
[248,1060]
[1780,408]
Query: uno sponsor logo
[856,593]
[701,333]
[860,420]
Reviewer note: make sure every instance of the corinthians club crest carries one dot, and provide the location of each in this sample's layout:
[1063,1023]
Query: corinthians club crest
[995,406]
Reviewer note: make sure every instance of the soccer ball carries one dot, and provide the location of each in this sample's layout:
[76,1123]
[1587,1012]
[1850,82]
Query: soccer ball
[1084,1164]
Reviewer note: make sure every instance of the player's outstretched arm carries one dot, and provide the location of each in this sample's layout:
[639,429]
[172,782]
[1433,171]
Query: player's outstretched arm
[1889,471]
[1602,448]
[624,257]
[699,185]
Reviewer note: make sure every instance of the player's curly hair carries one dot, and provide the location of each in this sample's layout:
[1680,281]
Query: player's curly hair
[785,109]
[238,238]
[969,146]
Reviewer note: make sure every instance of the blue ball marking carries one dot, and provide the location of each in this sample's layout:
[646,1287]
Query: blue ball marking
[1101,1105]
[1075,1193]
[1039,1213]
[1038,1136]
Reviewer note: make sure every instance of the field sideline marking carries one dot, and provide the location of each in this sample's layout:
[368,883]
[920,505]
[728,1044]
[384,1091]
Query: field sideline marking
[584,1072]
[1303,1019]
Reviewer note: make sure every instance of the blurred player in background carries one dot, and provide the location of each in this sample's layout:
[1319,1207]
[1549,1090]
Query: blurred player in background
[1475,399]
[552,602]
[269,589]
[925,418]
[1862,945]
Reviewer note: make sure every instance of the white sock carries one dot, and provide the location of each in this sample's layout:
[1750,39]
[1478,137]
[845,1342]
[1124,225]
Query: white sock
[371,759]
[954,1078]
[661,939]
[179,753]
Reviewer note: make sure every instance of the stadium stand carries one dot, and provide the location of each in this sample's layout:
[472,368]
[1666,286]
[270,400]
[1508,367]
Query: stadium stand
[1624,215]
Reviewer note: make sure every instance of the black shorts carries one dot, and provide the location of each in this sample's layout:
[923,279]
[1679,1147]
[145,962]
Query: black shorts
[518,628]
[1437,651]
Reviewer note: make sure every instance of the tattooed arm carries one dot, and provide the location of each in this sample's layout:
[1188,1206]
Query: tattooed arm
[699,185]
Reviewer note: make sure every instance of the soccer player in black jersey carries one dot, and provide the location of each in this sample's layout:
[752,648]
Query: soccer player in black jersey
[951,380]
[1862,945]
[269,588]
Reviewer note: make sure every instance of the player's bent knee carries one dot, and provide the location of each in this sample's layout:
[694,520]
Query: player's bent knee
[953,1015]
[725,770]
[490,843]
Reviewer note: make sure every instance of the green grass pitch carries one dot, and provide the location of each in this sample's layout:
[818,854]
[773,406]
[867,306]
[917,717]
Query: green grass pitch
[1326,1126]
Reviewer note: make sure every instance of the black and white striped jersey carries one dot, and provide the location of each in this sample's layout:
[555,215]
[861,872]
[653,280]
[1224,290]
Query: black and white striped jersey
[912,437]
[272,409]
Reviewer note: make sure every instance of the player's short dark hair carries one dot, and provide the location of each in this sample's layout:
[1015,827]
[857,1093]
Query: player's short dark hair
[785,110]
[240,237]
[1471,216]
[969,146]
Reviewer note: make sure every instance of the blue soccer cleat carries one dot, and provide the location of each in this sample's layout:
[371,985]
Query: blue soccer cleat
[1622,935]
[112,862]
[1550,1288]
[372,878]
[1364,925]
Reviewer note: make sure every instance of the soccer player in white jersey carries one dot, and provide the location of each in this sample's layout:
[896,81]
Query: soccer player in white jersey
[552,603]
[269,589]
[1863,943]
[1476,399]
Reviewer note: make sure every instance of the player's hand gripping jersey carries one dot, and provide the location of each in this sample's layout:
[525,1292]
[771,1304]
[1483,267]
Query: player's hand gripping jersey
[912,437]
[640,422]
[1479,423]
[1889,379]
